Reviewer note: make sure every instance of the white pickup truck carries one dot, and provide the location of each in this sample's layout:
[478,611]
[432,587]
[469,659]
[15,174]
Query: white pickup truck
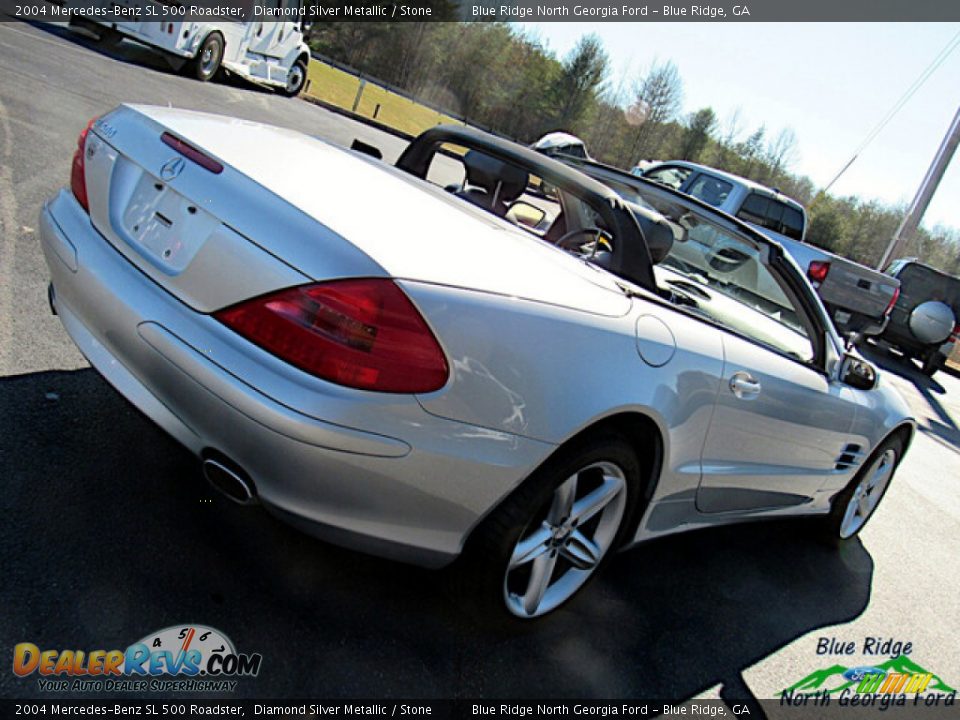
[267,52]
[858,298]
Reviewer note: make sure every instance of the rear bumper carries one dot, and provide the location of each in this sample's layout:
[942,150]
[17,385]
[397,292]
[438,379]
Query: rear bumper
[371,471]
[848,321]
[260,69]
[898,335]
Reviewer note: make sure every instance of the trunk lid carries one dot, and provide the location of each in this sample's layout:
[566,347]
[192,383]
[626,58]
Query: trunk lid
[210,239]
[288,203]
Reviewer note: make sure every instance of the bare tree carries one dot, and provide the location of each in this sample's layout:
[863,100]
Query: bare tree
[782,152]
[727,142]
[659,96]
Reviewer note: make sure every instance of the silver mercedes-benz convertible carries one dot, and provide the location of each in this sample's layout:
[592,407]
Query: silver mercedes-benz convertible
[478,355]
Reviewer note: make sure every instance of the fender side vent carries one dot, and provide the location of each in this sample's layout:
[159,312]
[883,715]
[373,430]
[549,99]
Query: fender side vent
[850,458]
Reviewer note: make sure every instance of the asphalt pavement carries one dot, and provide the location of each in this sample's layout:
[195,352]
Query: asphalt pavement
[111,533]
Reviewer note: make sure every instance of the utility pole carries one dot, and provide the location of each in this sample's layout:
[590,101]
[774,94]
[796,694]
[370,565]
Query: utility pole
[927,188]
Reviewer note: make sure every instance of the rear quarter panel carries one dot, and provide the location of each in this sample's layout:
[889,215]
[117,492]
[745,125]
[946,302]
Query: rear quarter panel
[548,373]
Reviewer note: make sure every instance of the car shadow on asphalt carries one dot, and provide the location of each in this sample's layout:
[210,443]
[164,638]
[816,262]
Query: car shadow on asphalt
[133,53]
[943,427]
[113,535]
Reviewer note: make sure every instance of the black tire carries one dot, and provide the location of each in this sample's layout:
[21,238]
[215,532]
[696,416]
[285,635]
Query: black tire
[299,72]
[931,363]
[108,37]
[483,581]
[831,528]
[207,62]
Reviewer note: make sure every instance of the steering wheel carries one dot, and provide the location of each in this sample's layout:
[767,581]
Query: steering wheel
[566,240]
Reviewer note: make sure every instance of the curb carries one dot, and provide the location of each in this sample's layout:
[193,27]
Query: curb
[363,119]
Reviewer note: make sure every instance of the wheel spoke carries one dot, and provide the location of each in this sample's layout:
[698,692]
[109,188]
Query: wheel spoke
[847,526]
[588,506]
[540,576]
[531,547]
[562,503]
[581,551]
[864,505]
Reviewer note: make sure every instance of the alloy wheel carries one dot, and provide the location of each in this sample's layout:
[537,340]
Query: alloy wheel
[866,496]
[564,543]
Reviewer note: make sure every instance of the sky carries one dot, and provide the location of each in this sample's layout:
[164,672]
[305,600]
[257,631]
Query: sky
[831,83]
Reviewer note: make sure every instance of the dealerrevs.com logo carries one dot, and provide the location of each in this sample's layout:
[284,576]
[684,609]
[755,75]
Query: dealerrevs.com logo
[197,657]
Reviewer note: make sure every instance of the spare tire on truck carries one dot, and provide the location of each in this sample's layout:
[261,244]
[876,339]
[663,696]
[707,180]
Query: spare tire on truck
[931,322]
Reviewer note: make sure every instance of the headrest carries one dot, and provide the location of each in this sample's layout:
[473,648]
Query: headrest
[485,172]
[659,232]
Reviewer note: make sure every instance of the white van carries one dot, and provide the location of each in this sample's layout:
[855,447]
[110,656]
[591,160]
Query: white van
[267,52]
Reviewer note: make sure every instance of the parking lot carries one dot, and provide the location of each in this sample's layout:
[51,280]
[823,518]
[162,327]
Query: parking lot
[112,533]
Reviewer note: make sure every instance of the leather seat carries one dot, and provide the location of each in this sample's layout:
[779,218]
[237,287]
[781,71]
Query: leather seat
[490,183]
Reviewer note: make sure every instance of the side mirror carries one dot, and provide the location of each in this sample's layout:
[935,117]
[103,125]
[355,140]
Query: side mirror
[858,373]
[525,214]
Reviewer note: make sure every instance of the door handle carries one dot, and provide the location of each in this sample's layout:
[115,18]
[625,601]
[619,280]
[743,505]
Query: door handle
[744,386]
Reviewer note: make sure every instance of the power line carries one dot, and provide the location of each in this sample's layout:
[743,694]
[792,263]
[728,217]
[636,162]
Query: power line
[912,90]
[897,106]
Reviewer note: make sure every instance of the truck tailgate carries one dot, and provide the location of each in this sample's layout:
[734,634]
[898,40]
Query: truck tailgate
[851,286]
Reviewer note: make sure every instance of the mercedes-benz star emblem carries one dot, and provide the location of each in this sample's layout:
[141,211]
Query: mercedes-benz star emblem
[171,168]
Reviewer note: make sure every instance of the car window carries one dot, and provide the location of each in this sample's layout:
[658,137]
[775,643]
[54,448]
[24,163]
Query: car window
[792,223]
[670,175]
[919,284]
[756,210]
[725,277]
[729,269]
[710,189]
[894,267]
[770,213]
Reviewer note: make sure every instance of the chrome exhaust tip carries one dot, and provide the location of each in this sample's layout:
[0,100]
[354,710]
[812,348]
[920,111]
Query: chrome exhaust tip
[235,486]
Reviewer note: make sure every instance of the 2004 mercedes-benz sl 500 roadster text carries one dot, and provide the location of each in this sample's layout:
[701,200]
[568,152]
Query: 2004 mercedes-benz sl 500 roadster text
[477,355]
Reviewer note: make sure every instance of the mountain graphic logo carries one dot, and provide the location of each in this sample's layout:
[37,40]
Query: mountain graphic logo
[837,678]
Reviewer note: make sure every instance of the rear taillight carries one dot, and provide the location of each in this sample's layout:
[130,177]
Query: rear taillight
[893,301]
[817,271]
[955,335]
[78,179]
[360,333]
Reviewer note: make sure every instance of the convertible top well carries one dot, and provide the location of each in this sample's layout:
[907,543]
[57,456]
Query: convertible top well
[631,255]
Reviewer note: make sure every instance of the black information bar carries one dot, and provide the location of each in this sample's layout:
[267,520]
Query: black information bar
[171,11]
[834,708]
